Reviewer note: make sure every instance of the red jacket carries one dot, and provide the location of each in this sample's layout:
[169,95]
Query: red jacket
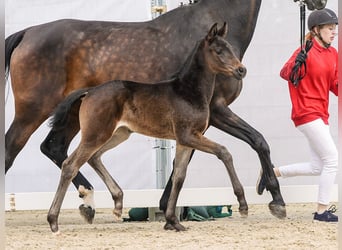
[310,99]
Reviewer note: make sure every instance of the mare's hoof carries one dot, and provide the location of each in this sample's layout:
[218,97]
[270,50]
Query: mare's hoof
[87,212]
[277,210]
[178,227]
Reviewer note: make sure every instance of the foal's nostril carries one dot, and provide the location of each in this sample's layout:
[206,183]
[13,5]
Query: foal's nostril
[242,71]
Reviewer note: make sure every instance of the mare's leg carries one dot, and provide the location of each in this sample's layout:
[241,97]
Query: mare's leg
[55,147]
[24,125]
[224,119]
[36,92]
[18,134]
[178,176]
[199,142]
[20,131]
[120,136]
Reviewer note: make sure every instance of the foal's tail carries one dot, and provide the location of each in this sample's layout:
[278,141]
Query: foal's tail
[11,43]
[67,109]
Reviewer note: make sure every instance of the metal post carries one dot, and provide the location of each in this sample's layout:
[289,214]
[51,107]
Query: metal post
[163,161]
[158,7]
[163,147]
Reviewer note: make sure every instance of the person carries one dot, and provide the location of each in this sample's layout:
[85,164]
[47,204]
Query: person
[309,93]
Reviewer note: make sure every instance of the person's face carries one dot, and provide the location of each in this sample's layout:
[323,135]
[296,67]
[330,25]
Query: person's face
[328,32]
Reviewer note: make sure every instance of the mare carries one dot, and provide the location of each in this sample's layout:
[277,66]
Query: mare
[48,61]
[109,113]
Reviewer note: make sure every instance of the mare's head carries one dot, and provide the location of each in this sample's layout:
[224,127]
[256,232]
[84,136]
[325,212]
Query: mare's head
[220,55]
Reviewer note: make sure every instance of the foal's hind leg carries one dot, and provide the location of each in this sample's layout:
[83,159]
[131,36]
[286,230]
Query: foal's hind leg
[120,136]
[69,170]
[88,145]
[55,147]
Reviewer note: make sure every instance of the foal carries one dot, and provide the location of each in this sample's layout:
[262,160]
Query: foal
[109,113]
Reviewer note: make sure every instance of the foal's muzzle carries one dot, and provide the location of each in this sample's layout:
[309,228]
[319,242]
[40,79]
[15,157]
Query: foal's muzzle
[240,72]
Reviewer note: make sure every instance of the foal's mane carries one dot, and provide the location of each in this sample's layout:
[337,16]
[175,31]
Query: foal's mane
[186,65]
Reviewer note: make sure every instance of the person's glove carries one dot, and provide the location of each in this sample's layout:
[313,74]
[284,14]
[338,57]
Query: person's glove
[301,57]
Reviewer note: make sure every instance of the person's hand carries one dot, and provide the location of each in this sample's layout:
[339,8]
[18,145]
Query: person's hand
[301,57]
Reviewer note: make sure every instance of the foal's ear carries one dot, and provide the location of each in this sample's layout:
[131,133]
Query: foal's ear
[223,31]
[212,33]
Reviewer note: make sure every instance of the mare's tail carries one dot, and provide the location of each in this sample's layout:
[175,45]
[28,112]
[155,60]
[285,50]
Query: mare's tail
[11,43]
[67,109]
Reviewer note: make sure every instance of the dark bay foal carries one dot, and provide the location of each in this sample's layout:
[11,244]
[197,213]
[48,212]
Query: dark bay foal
[176,109]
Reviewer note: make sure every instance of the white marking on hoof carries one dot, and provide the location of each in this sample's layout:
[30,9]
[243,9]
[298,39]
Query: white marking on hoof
[88,196]
[117,218]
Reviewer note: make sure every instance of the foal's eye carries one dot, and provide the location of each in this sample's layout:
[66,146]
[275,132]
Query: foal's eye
[219,51]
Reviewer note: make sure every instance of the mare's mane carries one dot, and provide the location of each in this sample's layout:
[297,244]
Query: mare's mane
[181,71]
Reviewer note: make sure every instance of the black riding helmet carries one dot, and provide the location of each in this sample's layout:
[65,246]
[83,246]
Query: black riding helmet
[320,17]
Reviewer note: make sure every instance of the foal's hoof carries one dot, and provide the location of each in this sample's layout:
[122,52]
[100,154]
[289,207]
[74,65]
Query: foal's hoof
[243,210]
[178,227]
[277,210]
[58,233]
[87,212]
[243,213]
[117,215]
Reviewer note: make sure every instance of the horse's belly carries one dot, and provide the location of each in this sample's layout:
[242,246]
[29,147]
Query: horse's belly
[159,128]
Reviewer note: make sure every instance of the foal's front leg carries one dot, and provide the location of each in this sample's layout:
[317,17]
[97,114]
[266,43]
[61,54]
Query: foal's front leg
[224,119]
[179,172]
[55,147]
[113,187]
[199,142]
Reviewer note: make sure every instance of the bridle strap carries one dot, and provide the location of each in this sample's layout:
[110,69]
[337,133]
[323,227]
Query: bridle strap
[296,73]
[302,24]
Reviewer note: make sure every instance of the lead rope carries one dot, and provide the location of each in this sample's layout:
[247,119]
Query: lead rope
[297,72]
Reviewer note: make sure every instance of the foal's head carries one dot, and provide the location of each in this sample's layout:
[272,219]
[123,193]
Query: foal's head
[219,54]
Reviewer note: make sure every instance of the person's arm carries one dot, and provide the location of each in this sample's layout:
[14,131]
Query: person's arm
[334,83]
[286,70]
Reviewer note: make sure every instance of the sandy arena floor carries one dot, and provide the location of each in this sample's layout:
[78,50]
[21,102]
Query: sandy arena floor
[30,230]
